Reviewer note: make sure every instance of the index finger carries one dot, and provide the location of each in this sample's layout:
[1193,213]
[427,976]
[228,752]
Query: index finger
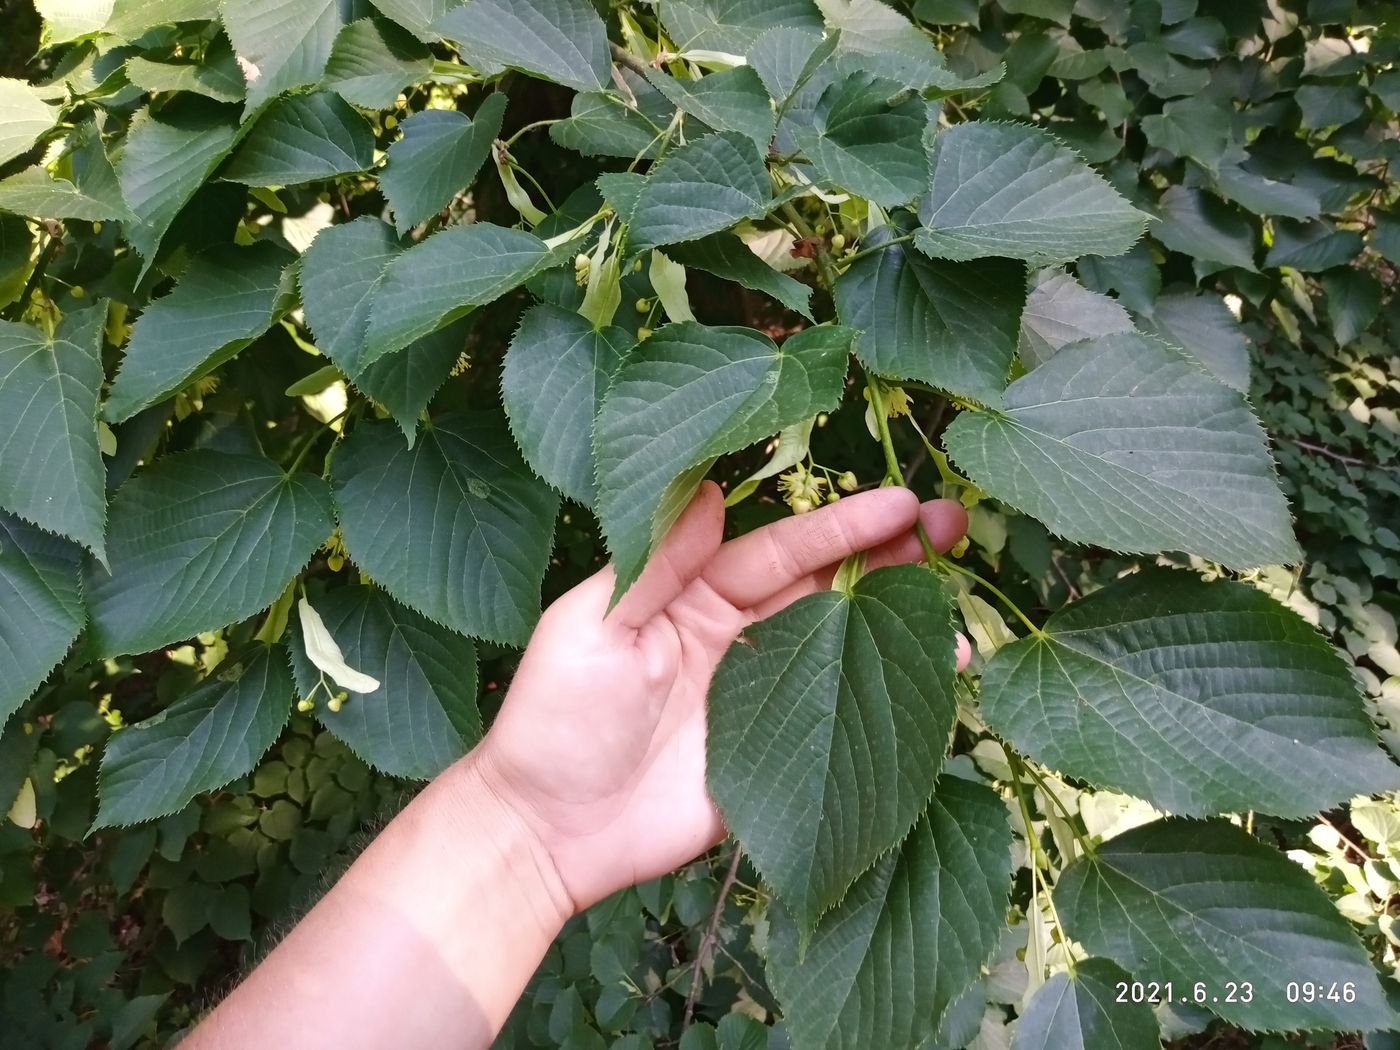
[759,564]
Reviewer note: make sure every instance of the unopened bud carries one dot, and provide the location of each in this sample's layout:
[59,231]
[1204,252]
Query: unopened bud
[305,704]
[832,497]
[643,305]
[848,481]
[643,333]
[838,242]
[801,505]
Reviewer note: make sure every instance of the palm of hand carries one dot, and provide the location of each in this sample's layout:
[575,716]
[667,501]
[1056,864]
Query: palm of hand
[601,741]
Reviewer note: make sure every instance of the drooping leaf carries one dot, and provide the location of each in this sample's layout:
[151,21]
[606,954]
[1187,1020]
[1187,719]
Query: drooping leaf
[165,160]
[1353,299]
[1312,246]
[725,255]
[1189,901]
[339,275]
[701,188]
[1060,311]
[729,100]
[909,938]
[446,276]
[786,57]
[51,471]
[41,608]
[197,541]
[284,44]
[417,16]
[1125,685]
[303,138]
[1005,189]
[866,137]
[688,394]
[1204,328]
[555,375]
[24,116]
[199,743]
[470,539]
[854,691]
[440,153]
[1123,442]
[952,325]
[215,76]
[132,19]
[373,60]
[560,40]
[1083,1011]
[423,716]
[731,25]
[227,298]
[1199,225]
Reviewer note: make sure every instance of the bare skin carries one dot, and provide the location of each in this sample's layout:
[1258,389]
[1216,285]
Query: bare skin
[591,779]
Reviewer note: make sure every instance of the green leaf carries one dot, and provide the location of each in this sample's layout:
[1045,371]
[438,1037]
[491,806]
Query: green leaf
[952,325]
[1126,684]
[24,116]
[1203,227]
[34,193]
[884,42]
[303,138]
[1196,127]
[440,153]
[66,20]
[41,608]
[603,125]
[867,138]
[199,743]
[883,968]
[1189,901]
[1124,443]
[423,716]
[373,60]
[340,274]
[560,40]
[1082,1011]
[284,44]
[417,16]
[828,725]
[691,393]
[1060,311]
[132,19]
[1265,196]
[216,76]
[470,542]
[1353,299]
[227,298]
[51,471]
[16,257]
[726,256]
[165,160]
[198,541]
[701,188]
[1385,236]
[732,100]
[1312,246]
[786,57]
[445,277]
[555,375]
[1006,189]
[731,25]
[1327,105]
[1203,327]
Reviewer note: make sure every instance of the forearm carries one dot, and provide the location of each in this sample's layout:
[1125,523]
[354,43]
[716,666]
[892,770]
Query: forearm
[426,941]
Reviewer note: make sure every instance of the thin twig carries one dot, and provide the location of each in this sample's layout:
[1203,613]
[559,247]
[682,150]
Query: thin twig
[623,57]
[707,943]
[1323,450]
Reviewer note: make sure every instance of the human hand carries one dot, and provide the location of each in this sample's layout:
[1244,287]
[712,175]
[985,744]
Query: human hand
[600,744]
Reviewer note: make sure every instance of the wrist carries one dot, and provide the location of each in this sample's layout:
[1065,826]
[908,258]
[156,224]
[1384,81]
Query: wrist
[490,815]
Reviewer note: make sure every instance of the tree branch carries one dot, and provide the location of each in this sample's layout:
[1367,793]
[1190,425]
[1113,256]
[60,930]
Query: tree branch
[707,943]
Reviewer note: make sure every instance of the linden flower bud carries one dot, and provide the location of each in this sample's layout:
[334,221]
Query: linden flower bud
[643,333]
[335,562]
[305,704]
[643,305]
[801,505]
[848,481]
[838,242]
[832,497]
[334,703]
[582,262]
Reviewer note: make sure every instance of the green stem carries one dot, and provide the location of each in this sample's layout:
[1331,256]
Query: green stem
[310,440]
[946,473]
[531,127]
[1084,843]
[876,248]
[893,475]
[535,183]
[953,566]
[1039,861]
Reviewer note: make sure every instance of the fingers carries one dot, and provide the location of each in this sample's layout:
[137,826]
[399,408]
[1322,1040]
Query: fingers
[686,549]
[753,568]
